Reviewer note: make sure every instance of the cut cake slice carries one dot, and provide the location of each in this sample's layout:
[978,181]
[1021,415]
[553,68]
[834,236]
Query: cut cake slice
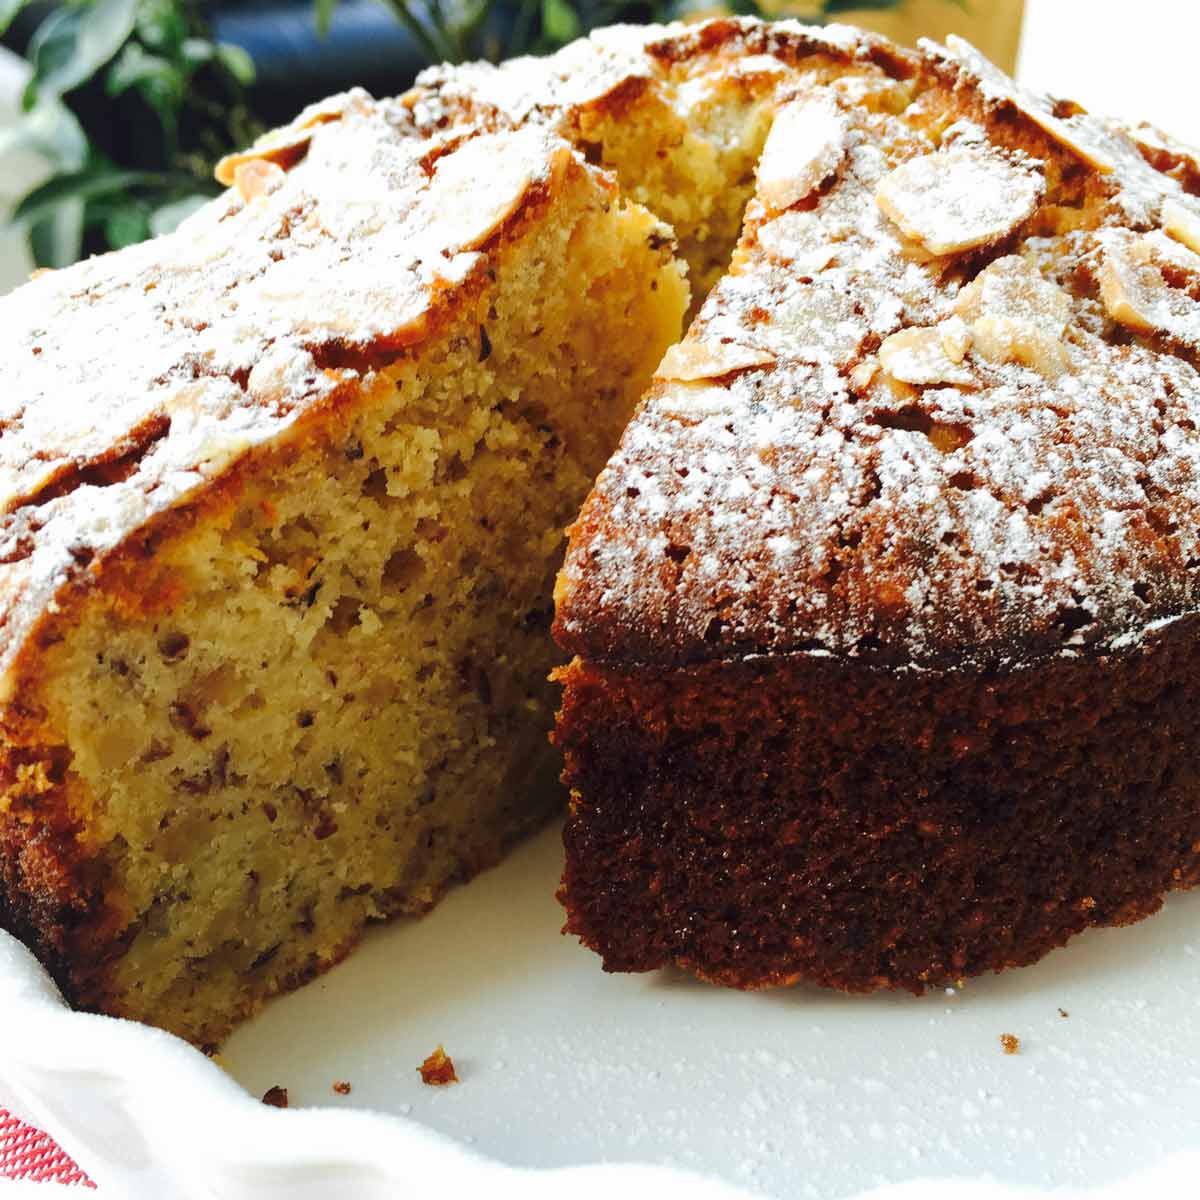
[283,498]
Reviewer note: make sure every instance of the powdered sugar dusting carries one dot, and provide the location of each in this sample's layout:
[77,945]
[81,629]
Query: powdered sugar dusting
[172,358]
[959,198]
[959,453]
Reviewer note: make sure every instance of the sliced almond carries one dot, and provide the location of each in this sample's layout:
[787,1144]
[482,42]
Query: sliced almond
[806,144]
[1013,287]
[694,400]
[1016,315]
[959,198]
[863,373]
[477,187]
[692,360]
[1135,288]
[918,356]
[800,239]
[255,178]
[1182,223]
[284,145]
[956,338]
[1005,339]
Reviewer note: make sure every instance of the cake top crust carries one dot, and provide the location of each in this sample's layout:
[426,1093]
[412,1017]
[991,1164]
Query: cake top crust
[133,379]
[610,65]
[941,412]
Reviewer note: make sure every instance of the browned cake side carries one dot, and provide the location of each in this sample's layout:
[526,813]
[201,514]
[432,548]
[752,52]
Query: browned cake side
[796,818]
[883,613]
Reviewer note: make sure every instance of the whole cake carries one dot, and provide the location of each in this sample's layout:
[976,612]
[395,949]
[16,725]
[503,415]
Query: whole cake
[881,611]
[885,612]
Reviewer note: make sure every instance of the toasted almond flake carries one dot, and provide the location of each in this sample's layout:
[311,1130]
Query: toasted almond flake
[474,190]
[255,178]
[692,360]
[806,144]
[956,338]
[1182,223]
[959,198]
[1072,137]
[278,145]
[286,142]
[1006,339]
[1013,287]
[695,399]
[863,373]
[918,356]
[1136,292]
[1016,315]
[800,239]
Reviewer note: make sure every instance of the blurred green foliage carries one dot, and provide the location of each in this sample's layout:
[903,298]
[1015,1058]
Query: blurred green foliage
[130,104]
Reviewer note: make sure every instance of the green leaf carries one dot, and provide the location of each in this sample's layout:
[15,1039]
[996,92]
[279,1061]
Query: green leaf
[324,14]
[51,130]
[72,44]
[53,42]
[236,61]
[126,225]
[169,217]
[9,10]
[134,67]
[560,22]
[56,240]
[162,25]
[77,185]
[196,51]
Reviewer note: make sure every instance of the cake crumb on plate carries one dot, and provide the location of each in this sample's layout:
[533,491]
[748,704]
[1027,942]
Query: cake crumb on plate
[438,1069]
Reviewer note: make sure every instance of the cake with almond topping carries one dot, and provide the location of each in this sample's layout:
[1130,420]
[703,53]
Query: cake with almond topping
[884,613]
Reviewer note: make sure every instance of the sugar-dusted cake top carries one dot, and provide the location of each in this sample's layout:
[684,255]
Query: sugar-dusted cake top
[132,379]
[614,65]
[944,408]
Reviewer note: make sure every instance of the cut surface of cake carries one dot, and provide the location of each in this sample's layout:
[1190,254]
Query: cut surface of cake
[884,613]
[284,495]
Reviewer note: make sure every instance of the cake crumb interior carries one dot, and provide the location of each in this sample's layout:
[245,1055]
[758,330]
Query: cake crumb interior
[338,704]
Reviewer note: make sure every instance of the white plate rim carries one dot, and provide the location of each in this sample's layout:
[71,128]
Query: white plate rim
[146,1114]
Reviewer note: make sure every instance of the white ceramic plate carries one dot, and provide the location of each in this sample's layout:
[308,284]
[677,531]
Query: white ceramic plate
[791,1093]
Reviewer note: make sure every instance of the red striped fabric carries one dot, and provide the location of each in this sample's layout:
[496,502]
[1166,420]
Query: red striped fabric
[27,1153]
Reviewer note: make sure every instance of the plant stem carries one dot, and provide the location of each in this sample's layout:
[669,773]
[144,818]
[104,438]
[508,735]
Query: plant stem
[430,42]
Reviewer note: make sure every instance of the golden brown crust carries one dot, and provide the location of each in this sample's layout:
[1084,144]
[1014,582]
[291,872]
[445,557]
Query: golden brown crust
[606,73]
